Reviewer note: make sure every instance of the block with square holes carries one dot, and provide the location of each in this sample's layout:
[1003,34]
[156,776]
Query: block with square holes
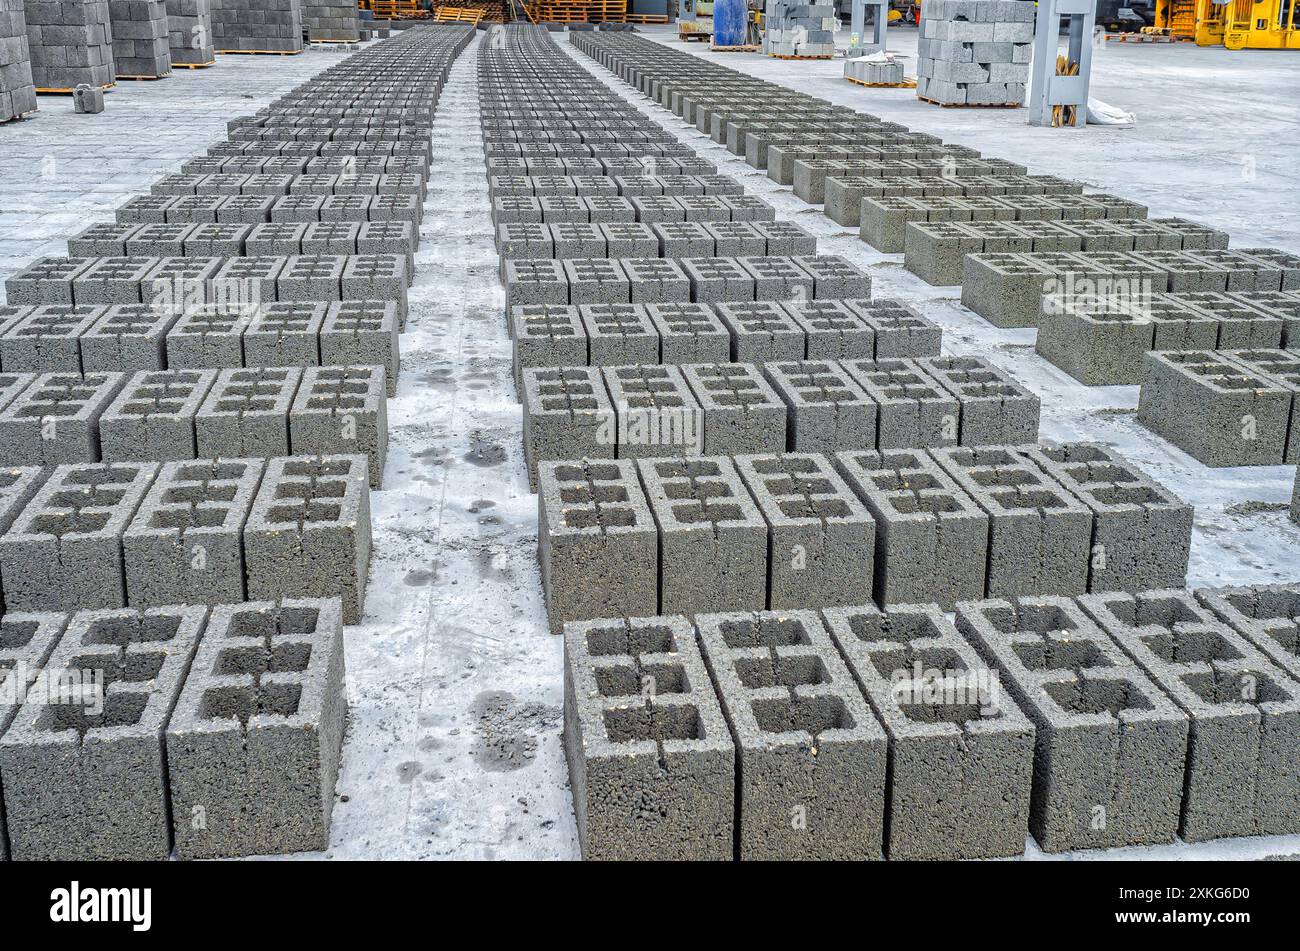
[308,534]
[1266,615]
[185,543]
[362,333]
[821,538]
[1243,777]
[208,338]
[689,333]
[762,331]
[712,537]
[255,740]
[48,339]
[827,410]
[88,779]
[832,331]
[342,410]
[152,417]
[246,413]
[128,337]
[618,334]
[811,783]
[742,412]
[914,409]
[284,334]
[656,412]
[597,541]
[901,331]
[1141,532]
[1111,746]
[717,279]
[567,415]
[995,409]
[55,420]
[651,761]
[932,538]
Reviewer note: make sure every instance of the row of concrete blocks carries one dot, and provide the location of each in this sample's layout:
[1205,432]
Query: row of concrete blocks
[1101,721]
[649,209]
[640,410]
[309,149]
[961,61]
[635,239]
[1007,290]
[1103,342]
[554,335]
[225,239]
[843,196]
[610,161]
[874,73]
[239,183]
[935,250]
[281,164]
[166,415]
[598,183]
[882,222]
[256,209]
[133,734]
[109,535]
[667,280]
[61,338]
[507,157]
[1225,407]
[17,88]
[781,531]
[807,167]
[234,285]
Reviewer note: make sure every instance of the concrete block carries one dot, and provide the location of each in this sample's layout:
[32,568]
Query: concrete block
[657,413]
[185,544]
[1266,615]
[712,537]
[255,740]
[652,770]
[46,281]
[689,333]
[827,410]
[995,409]
[55,420]
[716,279]
[1111,747]
[597,542]
[742,412]
[152,417]
[821,540]
[762,331]
[362,333]
[47,339]
[900,330]
[284,334]
[961,753]
[308,534]
[342,411]
[832,331]
[914,409]
[807,743]
[567,415]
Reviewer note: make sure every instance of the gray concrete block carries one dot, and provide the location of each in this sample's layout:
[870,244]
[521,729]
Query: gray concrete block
[961,753]
[915,410]
[832,331]
[1111,747]
[618,334]
[362,333]
[47,339]
[651,762]
[821,540]
[55,420]
[597,542]
[341,411]
[152,417]
[254,744]
[900,330]
[656,411]
[808,747]
[88,780]
[1266,615]
[127,337]
[185,543]
[827,410]
[1242,775]
[567,415]
[932,539]
[284,334]
[689,333]
[995,409]
[308,534]
[716,279]
[712,537]
[46,281]
[742,412]
[762,331]
[1141,532]
[246,413]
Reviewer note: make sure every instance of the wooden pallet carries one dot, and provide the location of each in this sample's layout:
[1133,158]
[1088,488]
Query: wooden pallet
[469,15]
[1146,38]
[194,65]
[52,91]
[143,79]
[743,48]
[260,52]
[905,84]
[783,56]
[647,18]
[971,105]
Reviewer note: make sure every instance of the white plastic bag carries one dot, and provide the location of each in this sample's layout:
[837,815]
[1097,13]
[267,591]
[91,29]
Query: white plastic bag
[1100,113]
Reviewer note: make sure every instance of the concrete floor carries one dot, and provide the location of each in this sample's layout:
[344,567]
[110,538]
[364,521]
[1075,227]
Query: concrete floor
[454,684]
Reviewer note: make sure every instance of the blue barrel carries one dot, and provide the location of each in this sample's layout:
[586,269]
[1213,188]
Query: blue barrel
[729,21]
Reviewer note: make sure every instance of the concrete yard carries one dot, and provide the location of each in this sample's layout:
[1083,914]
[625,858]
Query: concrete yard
[454,680]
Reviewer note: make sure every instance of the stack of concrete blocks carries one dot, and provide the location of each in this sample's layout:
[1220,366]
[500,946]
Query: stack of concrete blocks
[17,91]
[874,71]
[141,44]
[797,29]
[1111,746]
[189,32]
[975,52]
[336,21]
[961,753]
[1295,500]
[812,777]
[254,744]
[651,761]
[268,26]
[71,44]
[1266,615]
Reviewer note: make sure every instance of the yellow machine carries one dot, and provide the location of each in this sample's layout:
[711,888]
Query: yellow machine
[1236,24]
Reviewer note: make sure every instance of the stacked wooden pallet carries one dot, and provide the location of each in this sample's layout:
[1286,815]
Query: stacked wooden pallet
[578,11]
[398,10]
